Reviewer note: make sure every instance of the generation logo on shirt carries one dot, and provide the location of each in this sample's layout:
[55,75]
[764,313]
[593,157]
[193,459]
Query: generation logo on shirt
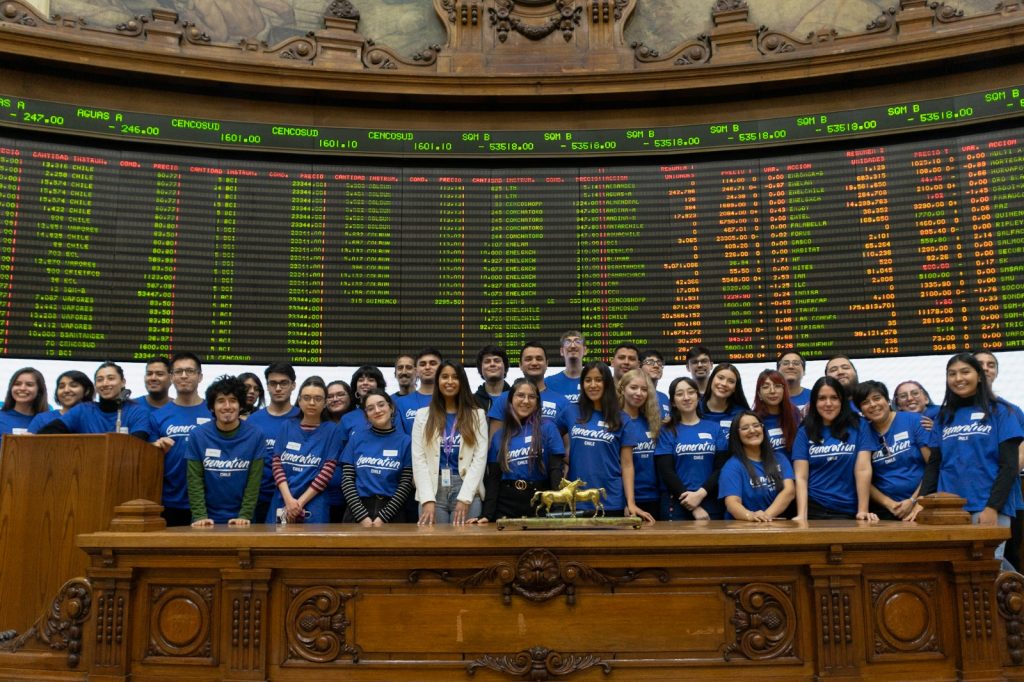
[763,482]
[900,444]
[573,398]
[776,438]
[830,451]
[410,414]
[699,450]
[644,448]
[548,409]
[388,459]
[179,430]
[293,458]
[966,431]
[225,467]
[591,436]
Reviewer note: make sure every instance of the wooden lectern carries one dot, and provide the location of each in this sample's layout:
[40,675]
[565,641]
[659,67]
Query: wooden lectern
[53,488]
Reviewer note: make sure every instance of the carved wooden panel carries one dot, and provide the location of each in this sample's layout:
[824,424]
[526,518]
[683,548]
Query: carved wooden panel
[111,594]
[316,625]
[1010,597]
[244,614]
[180,623]
[837,595]
[904,618]
[538,663]
[765,621]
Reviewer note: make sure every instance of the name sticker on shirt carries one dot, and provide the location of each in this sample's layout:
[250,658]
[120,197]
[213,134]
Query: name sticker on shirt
[123,429]
[902,435]
[390,453]
[704,435]
[202,420]
[725,423]
[548,405]
[212,452]
[774,432]
[977,415]
[292,445]
[17,431]
[528,439]
[649,434]
[603,424]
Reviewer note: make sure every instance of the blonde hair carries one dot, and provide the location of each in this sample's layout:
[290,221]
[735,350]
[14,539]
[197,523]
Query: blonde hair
[651,410]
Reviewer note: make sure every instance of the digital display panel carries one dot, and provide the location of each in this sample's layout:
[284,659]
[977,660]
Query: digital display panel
[905,249]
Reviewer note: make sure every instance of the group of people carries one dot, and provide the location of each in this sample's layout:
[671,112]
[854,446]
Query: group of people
[437,452]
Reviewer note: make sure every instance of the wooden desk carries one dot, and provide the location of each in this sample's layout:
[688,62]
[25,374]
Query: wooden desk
[840,600]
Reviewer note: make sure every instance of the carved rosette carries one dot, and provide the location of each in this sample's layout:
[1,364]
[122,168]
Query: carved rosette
[179,621]
[538,663]
[1010,601]
[504,20]
[904,617]
[60,629]
[946,14]
[538,576]
[342,9]
[315,625]
[765,621]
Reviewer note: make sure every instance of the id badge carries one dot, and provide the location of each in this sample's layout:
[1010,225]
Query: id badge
[446,478]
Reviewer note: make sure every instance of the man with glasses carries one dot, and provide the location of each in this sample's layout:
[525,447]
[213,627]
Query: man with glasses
[652,363]
[698,361]
[158,384]
[172,423]
[280,378]
[791,365]
[572,347]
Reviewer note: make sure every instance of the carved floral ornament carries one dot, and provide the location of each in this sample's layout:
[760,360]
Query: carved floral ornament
[339,45]
[60,629]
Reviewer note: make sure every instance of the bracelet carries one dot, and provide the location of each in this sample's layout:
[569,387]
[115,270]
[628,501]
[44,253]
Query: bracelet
[913,501]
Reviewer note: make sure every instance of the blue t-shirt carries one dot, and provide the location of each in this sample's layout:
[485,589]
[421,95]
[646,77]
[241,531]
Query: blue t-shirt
[970,454]
[379,459]
[89,418]
[563,385]
[552,403]
[773,431]
[755,495]
[42,419]
[270,425]
[519,452]
[595,454]
[226,463]
[177,422]
[897,464]
[304,453]
[723,419]
[830,479]
[406,408]
[450,445]
[664,403]
[645,478]
[801,399]
[144,404]
[693,448]
[12,421]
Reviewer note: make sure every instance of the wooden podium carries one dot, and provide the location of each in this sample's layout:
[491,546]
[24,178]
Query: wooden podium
[52,488]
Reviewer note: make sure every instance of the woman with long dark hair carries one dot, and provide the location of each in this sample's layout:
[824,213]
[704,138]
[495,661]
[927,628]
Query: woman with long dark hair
[305,456]
[974,447]
[255,396]
[26,397]
[73,387]
[598,452]
[773,406]
[724,397]
[832,458]
[756,483]
[688,449]
[377,466]
[899,456]
[449,451]
[526,455]
[340,400]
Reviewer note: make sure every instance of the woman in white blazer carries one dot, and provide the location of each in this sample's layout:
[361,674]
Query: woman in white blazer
[449,451]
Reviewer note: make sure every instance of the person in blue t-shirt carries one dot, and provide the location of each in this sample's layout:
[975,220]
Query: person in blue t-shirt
[780,417]
[911,396]
[305,455]
[224,459]
[280,377]
[158,384]
[73,387]
[114,413]
[652,362]
[255,396]
[638,399]
[832,458]
[899,456]
[756,482]
[572,346]
[172,424]
[526,455]
[533,363]
[724,396]
[975,445]
[341,400]
[428,360]
[377,466]
[26,397]
[689,451]
[792,366]
[594,429]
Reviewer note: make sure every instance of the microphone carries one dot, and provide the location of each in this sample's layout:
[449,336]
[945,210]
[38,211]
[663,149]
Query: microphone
[124,395]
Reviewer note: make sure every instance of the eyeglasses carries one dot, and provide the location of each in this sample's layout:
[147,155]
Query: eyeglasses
[750,427]
[313,399]
[573,342]
[185,372]
[652,362]
[790,363]
[279,384]
[336,396]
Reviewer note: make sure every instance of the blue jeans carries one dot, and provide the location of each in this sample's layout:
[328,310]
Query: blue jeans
[1003,521]
[447,497]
